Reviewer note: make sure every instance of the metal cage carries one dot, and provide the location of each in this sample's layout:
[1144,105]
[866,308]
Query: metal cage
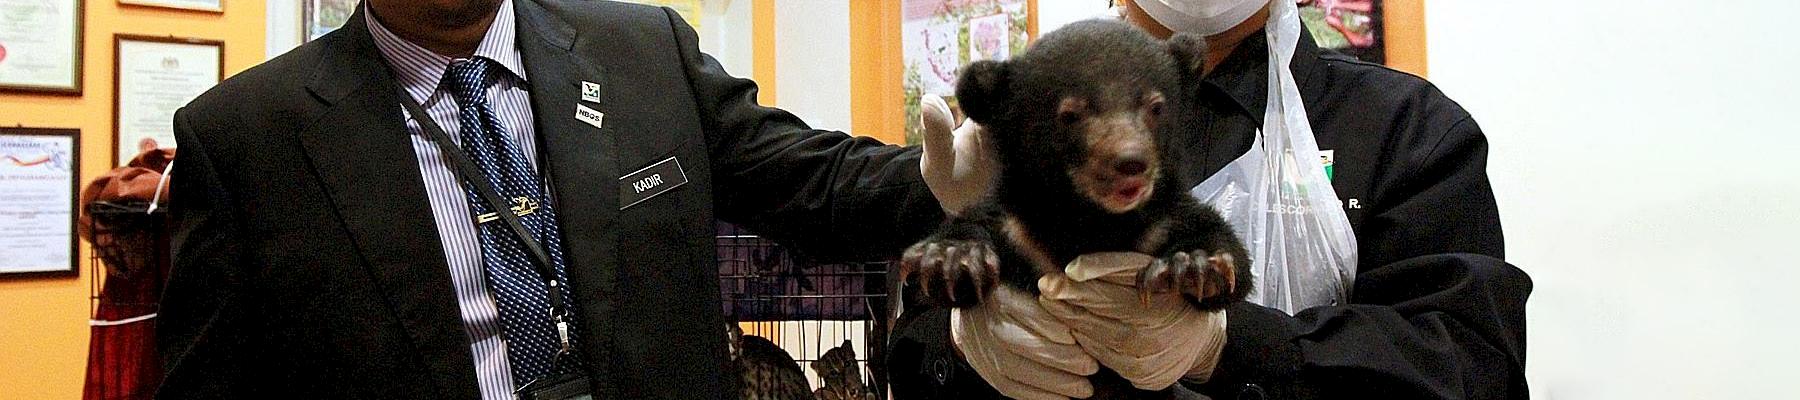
[128,266]
[806,308]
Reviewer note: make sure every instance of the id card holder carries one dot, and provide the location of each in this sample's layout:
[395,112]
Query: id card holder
[567,386]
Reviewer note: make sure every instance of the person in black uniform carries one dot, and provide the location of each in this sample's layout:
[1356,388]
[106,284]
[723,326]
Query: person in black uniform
[1435,312]
[328,245]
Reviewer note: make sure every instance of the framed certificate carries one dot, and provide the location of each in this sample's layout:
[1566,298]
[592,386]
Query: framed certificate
[154,76]
[40,46]
[38,170]
[197,5]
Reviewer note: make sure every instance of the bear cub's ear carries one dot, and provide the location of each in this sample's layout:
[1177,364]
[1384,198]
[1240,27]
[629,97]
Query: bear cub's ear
[981,90]
[1190,54]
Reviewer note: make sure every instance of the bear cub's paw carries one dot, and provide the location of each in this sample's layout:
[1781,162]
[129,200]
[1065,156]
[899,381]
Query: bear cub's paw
[1209,280]
[954,273]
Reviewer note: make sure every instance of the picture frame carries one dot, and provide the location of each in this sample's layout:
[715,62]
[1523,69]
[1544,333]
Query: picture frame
[319,17]
[44,57]
[144,108]
[216,6]
[38,210]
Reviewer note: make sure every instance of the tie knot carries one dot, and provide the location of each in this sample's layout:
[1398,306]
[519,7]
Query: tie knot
[467,80]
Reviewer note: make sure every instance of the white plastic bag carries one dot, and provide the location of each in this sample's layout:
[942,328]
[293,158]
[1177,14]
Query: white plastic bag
[1278,200]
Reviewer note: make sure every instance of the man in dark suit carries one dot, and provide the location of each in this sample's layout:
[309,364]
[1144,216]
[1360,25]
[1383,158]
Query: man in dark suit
[328,247]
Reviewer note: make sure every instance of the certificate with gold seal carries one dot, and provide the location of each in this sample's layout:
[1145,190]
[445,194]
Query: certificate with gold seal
[157,75]
[40,46]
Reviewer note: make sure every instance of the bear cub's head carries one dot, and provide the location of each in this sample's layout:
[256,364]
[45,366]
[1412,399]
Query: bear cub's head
[1087,110]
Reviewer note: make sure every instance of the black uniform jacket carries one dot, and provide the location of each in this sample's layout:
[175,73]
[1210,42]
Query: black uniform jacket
[1434,314]
[307,263]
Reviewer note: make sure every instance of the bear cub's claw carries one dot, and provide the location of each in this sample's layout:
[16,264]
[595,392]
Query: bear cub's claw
[955,273]
[1208,280]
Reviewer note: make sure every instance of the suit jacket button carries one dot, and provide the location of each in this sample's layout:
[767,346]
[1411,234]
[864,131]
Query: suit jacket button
[1251,392]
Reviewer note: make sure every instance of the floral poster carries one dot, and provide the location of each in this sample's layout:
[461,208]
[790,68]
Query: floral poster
[1351,27]
[940,36]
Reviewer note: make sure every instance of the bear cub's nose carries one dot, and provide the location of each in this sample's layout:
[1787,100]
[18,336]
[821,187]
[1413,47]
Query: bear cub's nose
[1131,166]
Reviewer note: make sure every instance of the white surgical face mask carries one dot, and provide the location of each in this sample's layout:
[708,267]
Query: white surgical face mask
[1203,17]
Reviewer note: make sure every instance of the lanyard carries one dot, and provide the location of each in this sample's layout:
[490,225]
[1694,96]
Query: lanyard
[466,169]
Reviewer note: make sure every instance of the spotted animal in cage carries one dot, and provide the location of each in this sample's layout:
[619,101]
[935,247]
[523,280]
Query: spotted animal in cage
[764,370]
[841,374]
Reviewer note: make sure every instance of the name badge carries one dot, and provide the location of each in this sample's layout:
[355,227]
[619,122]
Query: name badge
[656,179]
[589,115]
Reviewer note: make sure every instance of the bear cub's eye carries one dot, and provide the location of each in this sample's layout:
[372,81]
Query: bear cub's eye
[1071,110]
[1153,103]
[1153,108]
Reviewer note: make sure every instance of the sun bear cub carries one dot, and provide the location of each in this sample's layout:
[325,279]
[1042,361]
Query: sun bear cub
[1081,124]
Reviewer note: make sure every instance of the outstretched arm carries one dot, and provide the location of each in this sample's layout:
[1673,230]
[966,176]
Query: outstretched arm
[829,195]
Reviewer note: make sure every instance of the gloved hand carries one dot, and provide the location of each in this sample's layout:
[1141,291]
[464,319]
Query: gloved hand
[958,165]
[1152,343]
[1021,351]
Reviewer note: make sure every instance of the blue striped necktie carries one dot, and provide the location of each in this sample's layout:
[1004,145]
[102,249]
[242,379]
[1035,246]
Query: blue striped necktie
[518,288]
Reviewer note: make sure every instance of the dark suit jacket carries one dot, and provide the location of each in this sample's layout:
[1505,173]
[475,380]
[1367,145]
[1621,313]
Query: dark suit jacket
[307,262]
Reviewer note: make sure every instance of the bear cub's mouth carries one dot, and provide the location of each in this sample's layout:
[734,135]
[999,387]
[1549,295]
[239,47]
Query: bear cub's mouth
[1129,191]
[1114,189]
[1124,194]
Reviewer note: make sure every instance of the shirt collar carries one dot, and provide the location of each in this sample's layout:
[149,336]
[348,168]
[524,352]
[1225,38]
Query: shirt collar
[420,70]
[1244,75]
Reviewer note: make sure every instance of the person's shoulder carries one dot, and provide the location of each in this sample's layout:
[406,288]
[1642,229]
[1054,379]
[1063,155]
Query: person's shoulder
[616,26]
[591,14]
[252,100]
[273,80]
[1383,88]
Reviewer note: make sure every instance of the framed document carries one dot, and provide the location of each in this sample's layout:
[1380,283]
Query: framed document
[154,76]
[38,170]
[40,46]
[197,5]
[319,17]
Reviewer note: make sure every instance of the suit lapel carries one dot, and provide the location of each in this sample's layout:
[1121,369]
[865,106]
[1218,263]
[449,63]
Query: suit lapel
[363,154]
[582,163]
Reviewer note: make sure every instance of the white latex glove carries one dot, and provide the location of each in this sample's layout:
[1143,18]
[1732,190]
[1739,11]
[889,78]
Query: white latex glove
[1152,344]
[958,165]
[1020,350]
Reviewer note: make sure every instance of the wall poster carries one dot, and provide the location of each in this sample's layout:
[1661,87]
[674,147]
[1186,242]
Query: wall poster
[38,172]
[154,76]
[40,46]
[1351,27]
[940,36]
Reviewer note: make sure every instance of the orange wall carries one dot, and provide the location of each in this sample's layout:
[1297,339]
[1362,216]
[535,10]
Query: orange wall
[877,101]
[762,49]
[1406,35]
[43,321]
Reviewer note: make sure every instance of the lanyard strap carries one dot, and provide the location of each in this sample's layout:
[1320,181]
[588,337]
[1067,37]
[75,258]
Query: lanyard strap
[466,169]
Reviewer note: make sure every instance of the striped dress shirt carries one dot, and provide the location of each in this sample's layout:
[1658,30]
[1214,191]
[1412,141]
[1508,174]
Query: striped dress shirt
[419,71]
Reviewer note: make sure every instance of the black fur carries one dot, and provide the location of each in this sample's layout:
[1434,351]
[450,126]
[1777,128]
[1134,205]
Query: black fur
[1092,93]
